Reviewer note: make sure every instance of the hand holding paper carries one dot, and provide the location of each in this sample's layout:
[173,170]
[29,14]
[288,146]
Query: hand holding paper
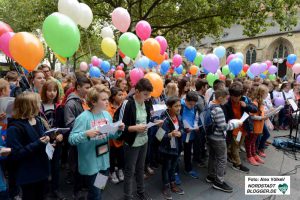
[244,117]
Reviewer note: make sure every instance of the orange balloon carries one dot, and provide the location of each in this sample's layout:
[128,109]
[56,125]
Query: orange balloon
[289,65]
[193,69]
[159,59]
[156,82]
[27,50]
[151,49]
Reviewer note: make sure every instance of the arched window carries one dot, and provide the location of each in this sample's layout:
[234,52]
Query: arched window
[281,51]
[251,55]
[229,51]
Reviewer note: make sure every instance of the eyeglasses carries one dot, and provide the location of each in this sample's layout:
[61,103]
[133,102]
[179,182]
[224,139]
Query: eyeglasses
[46,71]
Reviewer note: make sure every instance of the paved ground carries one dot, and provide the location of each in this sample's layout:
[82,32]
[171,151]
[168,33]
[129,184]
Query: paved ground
[277,163]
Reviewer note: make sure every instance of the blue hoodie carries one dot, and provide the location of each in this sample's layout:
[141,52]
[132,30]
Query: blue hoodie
[191,116]
[3,186]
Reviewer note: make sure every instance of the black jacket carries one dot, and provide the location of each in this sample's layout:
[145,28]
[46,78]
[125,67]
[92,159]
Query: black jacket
[129,119]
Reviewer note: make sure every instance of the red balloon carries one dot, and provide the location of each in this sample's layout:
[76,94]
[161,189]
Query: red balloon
[119,74]
[245,68]
[4,28]
[289,65]
[121,54]
[166,56]
[119,67]
[222,77]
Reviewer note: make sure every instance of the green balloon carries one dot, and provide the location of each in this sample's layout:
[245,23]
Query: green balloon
[175,74]
[129,44]
[211,78]
[198,59]
[61,34]
[231,75]
[272,77]
[225,70]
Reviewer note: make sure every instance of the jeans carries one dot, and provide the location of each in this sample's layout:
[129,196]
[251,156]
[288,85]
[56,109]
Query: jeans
[169,163]
[134,166]
[116,158]
[94,193]
[152,157]
[55,168]
[34,191]
[4,195]
[283,118]
[263,138]
[217,159]
[199,151]
[187,148]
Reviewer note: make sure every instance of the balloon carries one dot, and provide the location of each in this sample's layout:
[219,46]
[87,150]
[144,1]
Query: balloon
[126,60]
[254,69]
[86,16]
[298,79]
[222,77]
[129,44]
[151,48]
[272,77]
[152,64]
[27,50]
[119,74]
[272,69]
[105,66]
[71,8]
[230,57]
[135,75]
[122,65]
[289,65]
[263,67]
[121,19]
[211,78]
[205,71]
[4,28]
[211,63]
[121,54]
[279,101]
[109,47]
[269,63]
[143,62]
[165,66]
[4,42]
[163,72]
[220,51]
[296,68]
[235,66]
[107,32]
[225,70]
[100,62]
[143,30]
[240,55]
[190,53]
[250,75]
[292,58]
[95,61]
[83,66]
[245,67]
[60,58]
[179,69]
[166,55]
[163,44]
[61,34]
[231,75]
[156,82]
[194,69]
[95,72]
[198,59]
[263,76]
[243,73]
[177,60]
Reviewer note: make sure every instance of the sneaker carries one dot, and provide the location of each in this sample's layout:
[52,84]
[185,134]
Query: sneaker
[242,148]
[176,189]
[150,171]
[210,179]
[262,154]
[114,178]
[121,175]
[166,192]
[143,196]
[241,168]
[177,179]
[222,186]
[252,161]
[193,174]
[258,159]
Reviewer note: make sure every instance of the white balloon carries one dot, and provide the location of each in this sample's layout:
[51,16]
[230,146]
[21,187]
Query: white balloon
[107,32]
[138,56]
[86,16]
[71,8]
[126,60]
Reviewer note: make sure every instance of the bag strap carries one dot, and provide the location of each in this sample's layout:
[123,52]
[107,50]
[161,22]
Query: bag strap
[283,96]
[122,110]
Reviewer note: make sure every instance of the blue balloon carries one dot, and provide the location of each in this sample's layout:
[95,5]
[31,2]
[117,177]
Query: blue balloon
[190,53]
[220,51]
[144,62]
[165,66]
[263,76]
[292,58]
[105,66]
[152,64]
[205,71]
[179,69]
[113,67]
[90,65]
[25,71]
[236,66]
[95,72]
[249,73]
[163,72]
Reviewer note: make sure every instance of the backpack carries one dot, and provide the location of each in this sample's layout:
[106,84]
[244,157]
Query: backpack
[206,121]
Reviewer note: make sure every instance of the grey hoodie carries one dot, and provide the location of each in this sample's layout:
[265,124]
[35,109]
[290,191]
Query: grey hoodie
[73,109]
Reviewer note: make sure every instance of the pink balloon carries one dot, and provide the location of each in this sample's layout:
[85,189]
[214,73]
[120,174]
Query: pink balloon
[269,63]
[84,66]
[296,68]
[263,67]
[143,30]
[230,57]
[95,61]
[177,60]
[121,19]
[100,61]
[163,44]
[135,75]
[4,43]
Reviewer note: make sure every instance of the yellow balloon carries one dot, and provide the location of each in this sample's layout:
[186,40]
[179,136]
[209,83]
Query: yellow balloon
[265,72]
[243,73]
[60,58]
[109,47]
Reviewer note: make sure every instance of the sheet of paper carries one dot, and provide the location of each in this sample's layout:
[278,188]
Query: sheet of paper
[187,139]
[109,128]
[57,130]
[158,109]
[293,104]
[239,136]
[6,105]
[100,181]
[160,134]
[244,117]
[187,125]
[50,151]
[150,124]
[173,143]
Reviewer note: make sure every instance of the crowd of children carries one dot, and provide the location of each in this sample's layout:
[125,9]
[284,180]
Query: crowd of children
[31,159]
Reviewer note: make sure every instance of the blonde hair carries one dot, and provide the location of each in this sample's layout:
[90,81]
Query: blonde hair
[259,93]
[172,90]
[94,93]
[3,85]
[26,105]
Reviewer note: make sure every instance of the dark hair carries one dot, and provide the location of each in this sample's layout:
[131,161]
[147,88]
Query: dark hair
[167,81]
[172,100]
[236,89]
[144,85]
[103,81]
[181,85]
[41,67]
[113,92]
[221,93]
[192,96]
[119,81]
[200,83]
[81,80]
[217,84]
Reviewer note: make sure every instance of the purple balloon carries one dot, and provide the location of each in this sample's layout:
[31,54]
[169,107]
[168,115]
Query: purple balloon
[211,63]
[254,69]
[298,79]
[273,69]
[263,67]
[278,101]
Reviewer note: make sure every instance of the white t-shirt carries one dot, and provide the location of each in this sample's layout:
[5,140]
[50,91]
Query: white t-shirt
[268,103]
[288,95]
[208,94]
[276,94]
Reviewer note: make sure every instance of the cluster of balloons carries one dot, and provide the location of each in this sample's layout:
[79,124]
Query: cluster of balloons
[97,64]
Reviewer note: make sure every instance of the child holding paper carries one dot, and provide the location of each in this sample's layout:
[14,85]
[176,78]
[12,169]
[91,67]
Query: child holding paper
[92,145]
